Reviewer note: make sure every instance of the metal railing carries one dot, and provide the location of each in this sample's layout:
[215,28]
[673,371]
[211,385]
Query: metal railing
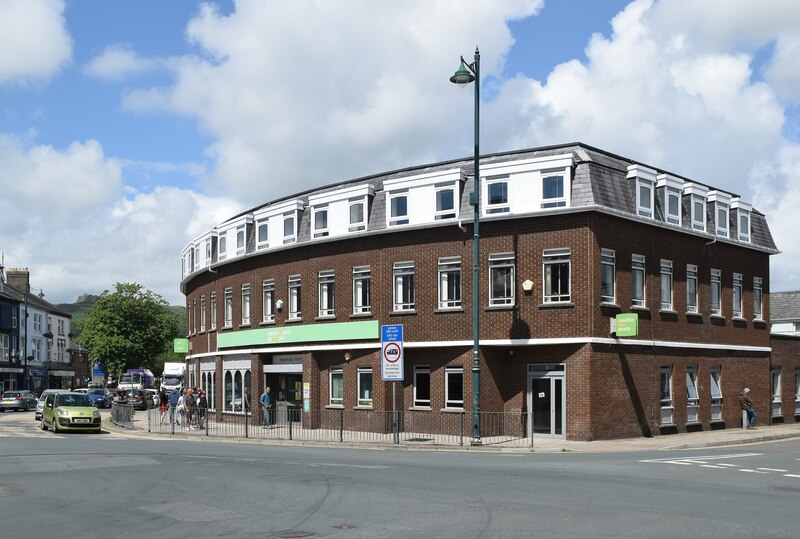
[413,428]
[122,414]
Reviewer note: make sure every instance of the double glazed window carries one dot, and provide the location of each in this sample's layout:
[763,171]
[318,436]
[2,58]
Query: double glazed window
[213,310]
[404,286]
[398,208]
[757,298]
[666,285]
[692,399]
[737,295]
[556,272]
[320,221]
[228,307]
[666,395]
[497,194]
[450,282]
[644,198]
[744,225]
[445,202]
[327,295]
[607,275]
[501,279]
[698,213]
[637,280]
[364,386]
[454,387]
[691,288]
[203,313]
[722,219]
[222,247]
[336,386]
[262,235]
[245,304]
[716,292]
[673,206]
[553,191]
[294,298]
[289,229]
[361,290]
[267,299]
[240,240]
[422,386]
[716,394]
[357,215]
[237,391]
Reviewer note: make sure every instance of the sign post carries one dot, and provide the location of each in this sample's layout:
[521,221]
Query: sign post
[392,365]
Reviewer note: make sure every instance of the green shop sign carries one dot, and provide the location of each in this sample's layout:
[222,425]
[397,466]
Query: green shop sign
[627,325]
[180,346]
[343,331]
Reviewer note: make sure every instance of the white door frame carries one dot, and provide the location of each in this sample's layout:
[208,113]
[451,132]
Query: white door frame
[554,373]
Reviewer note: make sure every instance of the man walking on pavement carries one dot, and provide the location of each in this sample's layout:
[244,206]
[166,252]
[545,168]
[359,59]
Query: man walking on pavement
[747,405]
[266,404]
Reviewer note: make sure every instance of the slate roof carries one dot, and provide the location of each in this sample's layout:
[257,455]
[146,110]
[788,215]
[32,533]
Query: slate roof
[784,306]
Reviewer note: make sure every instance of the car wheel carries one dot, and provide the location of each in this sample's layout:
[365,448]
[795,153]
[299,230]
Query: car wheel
[53,425]
[44,427]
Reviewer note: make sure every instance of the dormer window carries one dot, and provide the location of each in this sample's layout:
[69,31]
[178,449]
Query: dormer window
[240,240]
[320,221]
[497,194]
[398,208]
[445,201]
[289,229]
[357,213]
[742,220]
[553,190]
[262,235]
[208,251]
[644,186]
[223,247]
[697,203]
[721,203]
[669,194]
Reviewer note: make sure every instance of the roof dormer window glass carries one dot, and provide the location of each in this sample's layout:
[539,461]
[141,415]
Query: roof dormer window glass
[357,213]
[398,208]
[673,206]
[698,213]
[289,229]
[240,240]
[445,202]
[262,235]
[320,221]
[553,191]
[722,220]
[742,220]
[497,195]
[208,251]
[223,247]
[644,198]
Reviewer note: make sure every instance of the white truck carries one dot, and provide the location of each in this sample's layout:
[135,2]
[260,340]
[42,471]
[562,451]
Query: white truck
[173,376]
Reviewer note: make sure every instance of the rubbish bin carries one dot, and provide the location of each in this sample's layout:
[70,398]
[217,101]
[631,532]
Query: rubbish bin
[282,411]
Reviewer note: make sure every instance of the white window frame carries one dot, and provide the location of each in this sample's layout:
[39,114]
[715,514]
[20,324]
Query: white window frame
[357,226]
[775,379]
[716,290]
[241,240]
[213,310]
[450,282]
[246,304]
[721,219]
[666,285]
[556,201]
[267,301]
[498,207]
[692,397]
[670,195]
[403,288]
[290,218]
[295,312]
[608,276]
[228,307]
[362,284]
[738,288]
[743,216]
[417,401]
[698,213]
[262,243]
[449,402]
[365,400]
[666,393]
[228,398]
[202,314]
[553,259]
[327,293]
[337,372]
[758,298]
[397,219]
[319,230]
[502,262]
[797,391]
[222,246]
[442,214]
[639,266]
[208,251]
[645,198]
[692,293]
[5,347]
[715,388]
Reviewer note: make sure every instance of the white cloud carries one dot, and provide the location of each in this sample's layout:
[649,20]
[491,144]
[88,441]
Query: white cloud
[34,41]
[783,71]
[118,62]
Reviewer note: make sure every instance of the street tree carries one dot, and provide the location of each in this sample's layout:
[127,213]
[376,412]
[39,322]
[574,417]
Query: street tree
[128,328]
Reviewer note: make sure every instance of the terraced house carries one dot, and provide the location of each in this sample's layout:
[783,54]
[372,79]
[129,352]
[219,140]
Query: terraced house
[292,294]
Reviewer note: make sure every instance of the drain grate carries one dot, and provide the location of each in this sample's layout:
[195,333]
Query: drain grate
[294,534]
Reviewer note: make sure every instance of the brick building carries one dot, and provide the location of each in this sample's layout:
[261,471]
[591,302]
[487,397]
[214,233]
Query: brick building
[292,294]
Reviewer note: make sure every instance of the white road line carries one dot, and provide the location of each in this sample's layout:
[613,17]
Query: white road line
[791,474]
[706,457]
[711,466]
[772,469]
[749,470]
[729,465]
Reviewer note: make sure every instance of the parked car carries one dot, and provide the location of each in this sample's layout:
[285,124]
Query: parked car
[101,397]
[84,390]
[70,411]
[22,400]
[139,399]
[40,404]
[153,394]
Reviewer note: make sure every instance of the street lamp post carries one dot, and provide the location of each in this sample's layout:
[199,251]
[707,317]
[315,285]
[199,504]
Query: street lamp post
[472,73]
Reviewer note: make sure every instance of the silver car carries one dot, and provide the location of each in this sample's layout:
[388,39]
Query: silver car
[40,405]
[22,400]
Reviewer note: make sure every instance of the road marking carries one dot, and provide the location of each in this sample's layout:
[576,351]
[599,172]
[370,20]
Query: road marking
[692,460]
[336,465]
[729,465]
[791,474]
[750,471]
[711,466]
[772,469]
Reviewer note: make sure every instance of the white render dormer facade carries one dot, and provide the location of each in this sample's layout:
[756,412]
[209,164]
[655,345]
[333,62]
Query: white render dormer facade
[720,203]
[232,237]
[669,190]
[526,186]
[644,179]
[697,196]
[741,219]
[277,225]
[423,198]
[340,212]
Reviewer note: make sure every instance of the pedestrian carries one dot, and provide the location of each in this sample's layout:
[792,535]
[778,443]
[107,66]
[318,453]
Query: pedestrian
[174,397]
[190,408]
[266,404]
[163,399]
[195,398]
[182,411]
[202,405]
[747,405]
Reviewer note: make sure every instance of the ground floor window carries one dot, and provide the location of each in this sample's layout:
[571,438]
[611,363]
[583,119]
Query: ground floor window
[336,387]
[454,387]
[776,391]
[797,391]
[422,386]
[716,394]
[237,391]
[365,386]
[666,395]
[208,381]
[692,399]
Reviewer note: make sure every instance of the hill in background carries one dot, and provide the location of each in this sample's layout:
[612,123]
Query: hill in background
[81,307]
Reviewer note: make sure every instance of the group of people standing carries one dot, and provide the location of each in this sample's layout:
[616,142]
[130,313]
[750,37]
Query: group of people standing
[187,408]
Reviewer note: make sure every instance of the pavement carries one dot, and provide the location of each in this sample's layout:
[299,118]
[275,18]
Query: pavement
[689,440]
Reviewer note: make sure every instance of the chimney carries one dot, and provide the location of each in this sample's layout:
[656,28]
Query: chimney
[18,278]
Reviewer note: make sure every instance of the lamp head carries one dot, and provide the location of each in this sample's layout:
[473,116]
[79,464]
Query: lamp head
[463,76]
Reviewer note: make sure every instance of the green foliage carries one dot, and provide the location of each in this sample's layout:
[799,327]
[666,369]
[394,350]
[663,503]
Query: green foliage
[129,328]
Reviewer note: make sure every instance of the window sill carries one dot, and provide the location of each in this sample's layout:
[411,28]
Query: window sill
[759,321]
[402,313]
[739,319]
[244,325]
[692,423]
[694,313]
[609,305]
[335,407]
[326,317]
[452,410]
[227,327]
[361,315]
[202,332]
[293,320]
[267,323]
[667,311]
[500,308]
[717,317]
[640,308]
[449,310]
[212,330]
[667,425]
[362,407]
[420,409]
[556,305]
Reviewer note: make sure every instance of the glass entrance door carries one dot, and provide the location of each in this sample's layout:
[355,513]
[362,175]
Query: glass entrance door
[546,401]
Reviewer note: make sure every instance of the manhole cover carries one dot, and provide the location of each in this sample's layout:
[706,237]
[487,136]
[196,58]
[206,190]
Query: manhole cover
[294,534]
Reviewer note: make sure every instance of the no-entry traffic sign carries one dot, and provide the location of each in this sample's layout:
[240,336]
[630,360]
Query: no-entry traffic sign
[392,353]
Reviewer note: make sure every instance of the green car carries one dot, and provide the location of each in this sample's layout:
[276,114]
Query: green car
[70,411]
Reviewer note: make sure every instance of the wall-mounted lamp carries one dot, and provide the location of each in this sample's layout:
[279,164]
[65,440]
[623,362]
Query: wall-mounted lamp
[527,285]
[279,304]
[347,356]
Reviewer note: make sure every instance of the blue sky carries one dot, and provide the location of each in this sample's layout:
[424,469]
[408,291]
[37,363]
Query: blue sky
[127,128]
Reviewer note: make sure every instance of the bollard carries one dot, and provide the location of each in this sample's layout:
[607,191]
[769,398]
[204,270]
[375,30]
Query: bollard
[744,419]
